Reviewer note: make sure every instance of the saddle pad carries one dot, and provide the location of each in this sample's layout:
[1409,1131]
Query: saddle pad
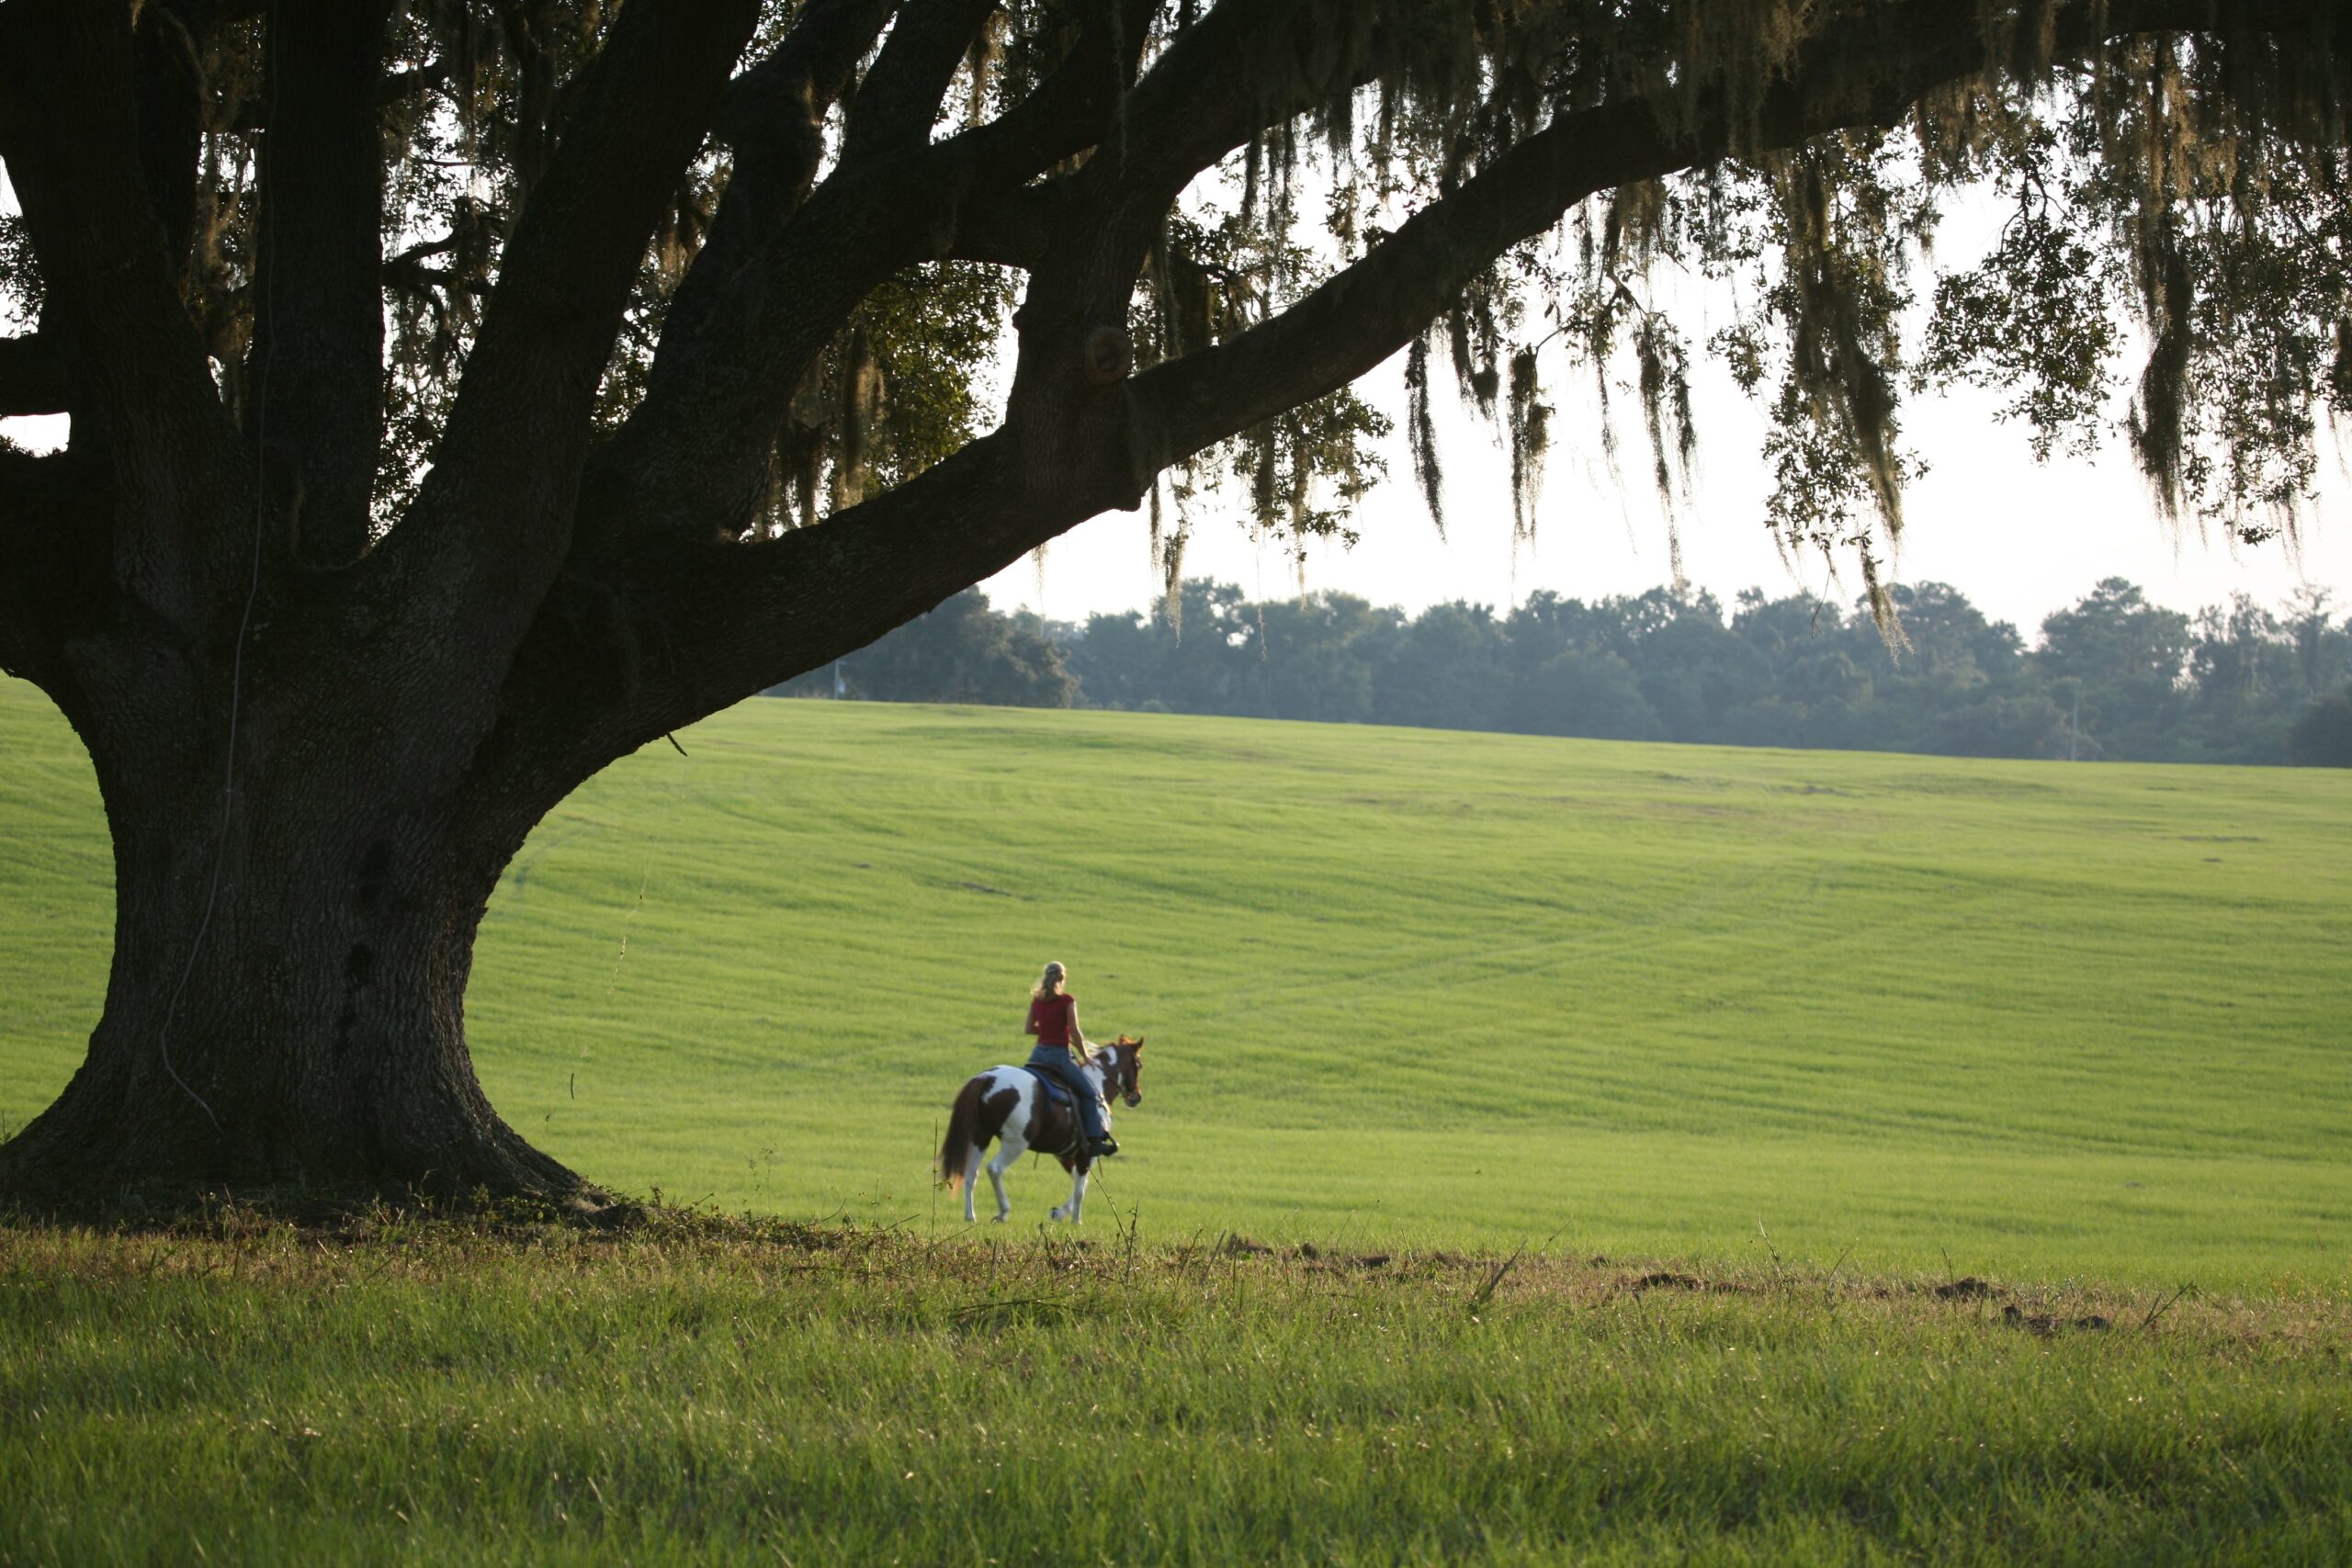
[1056,1091]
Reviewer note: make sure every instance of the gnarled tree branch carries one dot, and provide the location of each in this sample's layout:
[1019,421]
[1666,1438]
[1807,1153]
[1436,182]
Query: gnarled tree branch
[32,375]
[392,88]
[695,625]
[317,365]
[773,117]
[691,462]
[55,579]
[1014,229]
[495,513]
[170,117]
[899,101]
[69,132]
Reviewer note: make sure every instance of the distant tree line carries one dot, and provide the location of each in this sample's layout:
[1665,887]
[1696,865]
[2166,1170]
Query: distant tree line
[2111,676]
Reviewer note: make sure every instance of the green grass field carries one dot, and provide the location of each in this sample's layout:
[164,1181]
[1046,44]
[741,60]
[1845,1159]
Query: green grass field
[1756,1054]
[424,1395]
[1406,988]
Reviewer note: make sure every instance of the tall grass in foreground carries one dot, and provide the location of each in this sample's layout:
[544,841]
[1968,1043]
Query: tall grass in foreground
[425,1392]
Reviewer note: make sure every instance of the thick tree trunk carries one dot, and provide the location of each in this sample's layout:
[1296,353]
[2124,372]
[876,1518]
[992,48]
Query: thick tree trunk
[286,1008]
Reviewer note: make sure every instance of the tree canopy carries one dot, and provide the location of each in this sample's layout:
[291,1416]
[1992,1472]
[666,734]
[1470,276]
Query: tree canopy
[465,392]
[806,264]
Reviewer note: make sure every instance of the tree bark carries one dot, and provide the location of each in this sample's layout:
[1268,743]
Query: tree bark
[286,1002]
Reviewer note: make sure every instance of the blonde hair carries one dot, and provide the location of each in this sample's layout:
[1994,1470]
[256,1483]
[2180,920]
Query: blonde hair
[1049,984]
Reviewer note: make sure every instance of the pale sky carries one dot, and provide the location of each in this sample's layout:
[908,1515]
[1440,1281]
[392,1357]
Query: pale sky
[2020,538]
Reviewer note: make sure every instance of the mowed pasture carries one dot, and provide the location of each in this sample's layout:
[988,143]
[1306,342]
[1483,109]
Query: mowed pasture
[1550,1151]
[1404,988]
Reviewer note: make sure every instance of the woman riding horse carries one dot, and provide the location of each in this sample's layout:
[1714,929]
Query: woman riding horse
[1053,1019]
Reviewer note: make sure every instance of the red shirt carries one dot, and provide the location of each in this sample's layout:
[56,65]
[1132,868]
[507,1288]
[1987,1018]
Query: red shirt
[1050,1017]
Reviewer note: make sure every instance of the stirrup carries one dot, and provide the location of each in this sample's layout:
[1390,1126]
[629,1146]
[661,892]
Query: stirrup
[1103,1148]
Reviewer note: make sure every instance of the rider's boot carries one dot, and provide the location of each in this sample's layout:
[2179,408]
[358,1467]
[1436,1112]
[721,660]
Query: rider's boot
[1099,1144]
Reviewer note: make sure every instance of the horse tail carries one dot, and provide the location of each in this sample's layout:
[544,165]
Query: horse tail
[962,1122]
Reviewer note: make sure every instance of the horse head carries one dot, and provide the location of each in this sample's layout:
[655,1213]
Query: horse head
[1124,1075]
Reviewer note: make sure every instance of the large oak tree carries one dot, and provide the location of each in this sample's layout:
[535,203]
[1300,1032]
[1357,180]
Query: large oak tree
[466,392]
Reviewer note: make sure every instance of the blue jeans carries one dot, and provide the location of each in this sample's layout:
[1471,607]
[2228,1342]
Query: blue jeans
[1056,1059]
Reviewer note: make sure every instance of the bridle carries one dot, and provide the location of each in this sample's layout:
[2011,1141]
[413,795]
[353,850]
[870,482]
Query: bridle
[1130,1096]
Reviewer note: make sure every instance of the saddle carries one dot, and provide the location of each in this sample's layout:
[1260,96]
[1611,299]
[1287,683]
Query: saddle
[1056,1091]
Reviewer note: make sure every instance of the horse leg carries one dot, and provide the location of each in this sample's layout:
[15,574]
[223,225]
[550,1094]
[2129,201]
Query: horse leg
[971,1174]
[1075,1209]
[1011,1148]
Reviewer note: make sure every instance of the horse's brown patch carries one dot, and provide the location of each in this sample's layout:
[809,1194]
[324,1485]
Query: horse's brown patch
[1052,1128]
[1122,1070]
[994,1107]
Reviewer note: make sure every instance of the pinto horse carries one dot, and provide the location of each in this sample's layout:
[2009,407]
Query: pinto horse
[1009,1106]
